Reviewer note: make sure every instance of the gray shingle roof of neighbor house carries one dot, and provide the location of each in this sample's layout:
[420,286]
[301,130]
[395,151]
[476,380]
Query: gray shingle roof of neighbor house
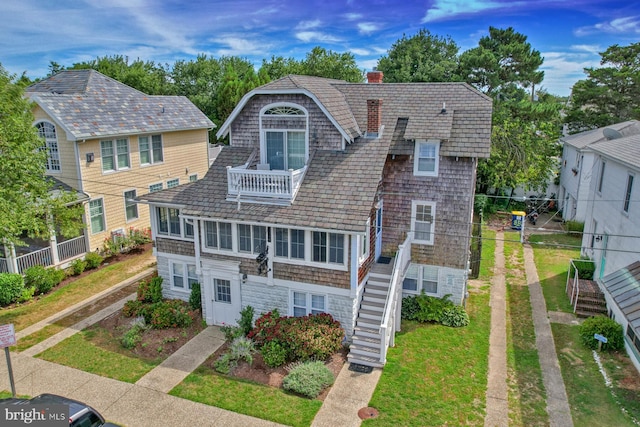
[88,104]
[583,139]
[340,186]
[624,287]
[625,150]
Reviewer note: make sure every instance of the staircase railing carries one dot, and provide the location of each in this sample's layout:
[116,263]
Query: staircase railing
[389,324]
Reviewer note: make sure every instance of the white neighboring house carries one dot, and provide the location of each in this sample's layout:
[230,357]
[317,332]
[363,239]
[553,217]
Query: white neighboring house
[577,168]
[612,215]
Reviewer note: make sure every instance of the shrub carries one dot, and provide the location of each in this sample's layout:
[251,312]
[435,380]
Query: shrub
[11,287]
[455,316]
[308,379]
[43,279]
[246,319]
[231,332]
[168,314]
[225,364]
[195,299]
[316,336]
[604,326]
[574,227]
[425,308]
[132,308]
[150,291]
[78,266]
[242,348]
[93,260]
[273,354]
[585,268]
[132,337]
[27,294]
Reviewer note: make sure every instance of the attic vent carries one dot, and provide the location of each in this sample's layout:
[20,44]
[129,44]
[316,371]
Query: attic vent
[611,134]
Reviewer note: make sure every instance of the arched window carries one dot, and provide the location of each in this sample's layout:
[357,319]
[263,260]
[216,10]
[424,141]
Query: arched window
[284,142]
[47,132]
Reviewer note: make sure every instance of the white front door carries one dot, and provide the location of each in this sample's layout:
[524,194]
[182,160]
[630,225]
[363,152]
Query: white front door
[225,300]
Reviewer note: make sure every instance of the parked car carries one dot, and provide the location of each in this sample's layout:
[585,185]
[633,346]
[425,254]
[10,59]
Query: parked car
[80,414]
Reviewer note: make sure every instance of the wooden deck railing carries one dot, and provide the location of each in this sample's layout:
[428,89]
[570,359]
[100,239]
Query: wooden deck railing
[278,185]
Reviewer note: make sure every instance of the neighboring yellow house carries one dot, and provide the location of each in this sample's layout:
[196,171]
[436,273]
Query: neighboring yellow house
[114,143]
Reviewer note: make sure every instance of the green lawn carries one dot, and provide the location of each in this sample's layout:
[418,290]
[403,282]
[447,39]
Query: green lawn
[527,405]
[552,254]
[86,351]
[206,386]
[79,290]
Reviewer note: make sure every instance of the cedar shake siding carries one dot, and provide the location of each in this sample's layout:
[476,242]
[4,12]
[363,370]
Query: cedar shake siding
[453,209]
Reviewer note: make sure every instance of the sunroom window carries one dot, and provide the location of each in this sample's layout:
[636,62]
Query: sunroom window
[284,137]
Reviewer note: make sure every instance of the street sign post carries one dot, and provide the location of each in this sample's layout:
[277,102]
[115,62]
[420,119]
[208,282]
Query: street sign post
[7,339]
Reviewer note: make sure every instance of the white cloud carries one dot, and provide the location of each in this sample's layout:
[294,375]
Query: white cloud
[308,25]
[367,27]
[626,25]
[240,46]
[563,69]
[367,64]
[316,36]
[358,51]
[352,16]
[443,9]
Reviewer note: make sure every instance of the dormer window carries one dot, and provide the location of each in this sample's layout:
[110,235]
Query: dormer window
[284,136]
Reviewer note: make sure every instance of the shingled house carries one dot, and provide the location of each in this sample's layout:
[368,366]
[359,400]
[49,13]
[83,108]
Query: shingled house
[331,197]
[112,143]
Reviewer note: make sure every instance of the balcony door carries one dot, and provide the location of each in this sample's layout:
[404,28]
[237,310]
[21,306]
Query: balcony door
[285,149]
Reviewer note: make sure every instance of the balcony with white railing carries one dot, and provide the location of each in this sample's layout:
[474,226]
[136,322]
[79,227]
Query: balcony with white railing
[263,185]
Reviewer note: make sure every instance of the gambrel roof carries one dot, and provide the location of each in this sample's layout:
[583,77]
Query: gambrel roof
[464,127]
[88,104]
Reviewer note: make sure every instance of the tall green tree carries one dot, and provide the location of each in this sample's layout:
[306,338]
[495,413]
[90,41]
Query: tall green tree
[503,58]
[318,62]
[423,57]
[610,94]
[27,204]
[146,76]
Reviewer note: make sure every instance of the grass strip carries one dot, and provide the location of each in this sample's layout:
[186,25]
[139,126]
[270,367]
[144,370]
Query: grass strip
[85,351]
[206,386]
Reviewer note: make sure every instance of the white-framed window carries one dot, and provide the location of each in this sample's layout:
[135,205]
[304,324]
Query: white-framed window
[423,221]
[222,290]
[169,223]
[130,206]
[289,243]
[150,147]
[155,187]
[47,131]
[284,136]
[173,182]
[252,238]
[305,303]
[364,243]
[327,247]
[193,177]
[183,275]
[115,154]
[420,278]
[601,177]
[218,235]
[96,213]
[627,193]
[426,158]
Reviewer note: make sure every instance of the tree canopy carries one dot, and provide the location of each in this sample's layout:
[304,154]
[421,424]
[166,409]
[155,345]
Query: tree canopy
[610,94]
[27,203]
[423,57]
[318,62]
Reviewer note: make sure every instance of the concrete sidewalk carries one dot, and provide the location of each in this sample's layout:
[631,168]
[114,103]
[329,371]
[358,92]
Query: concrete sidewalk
[557,402]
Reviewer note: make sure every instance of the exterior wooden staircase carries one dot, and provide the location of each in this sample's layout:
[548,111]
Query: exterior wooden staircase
[586,298]
[367,337]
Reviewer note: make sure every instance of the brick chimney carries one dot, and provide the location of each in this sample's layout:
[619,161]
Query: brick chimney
[374,115]
[374,76]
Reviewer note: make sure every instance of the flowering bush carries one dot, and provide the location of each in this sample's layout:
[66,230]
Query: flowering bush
[168,314]
[150,291]
[120,244]
[316,336]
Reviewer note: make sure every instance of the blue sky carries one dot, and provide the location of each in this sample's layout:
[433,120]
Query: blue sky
[569,34]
